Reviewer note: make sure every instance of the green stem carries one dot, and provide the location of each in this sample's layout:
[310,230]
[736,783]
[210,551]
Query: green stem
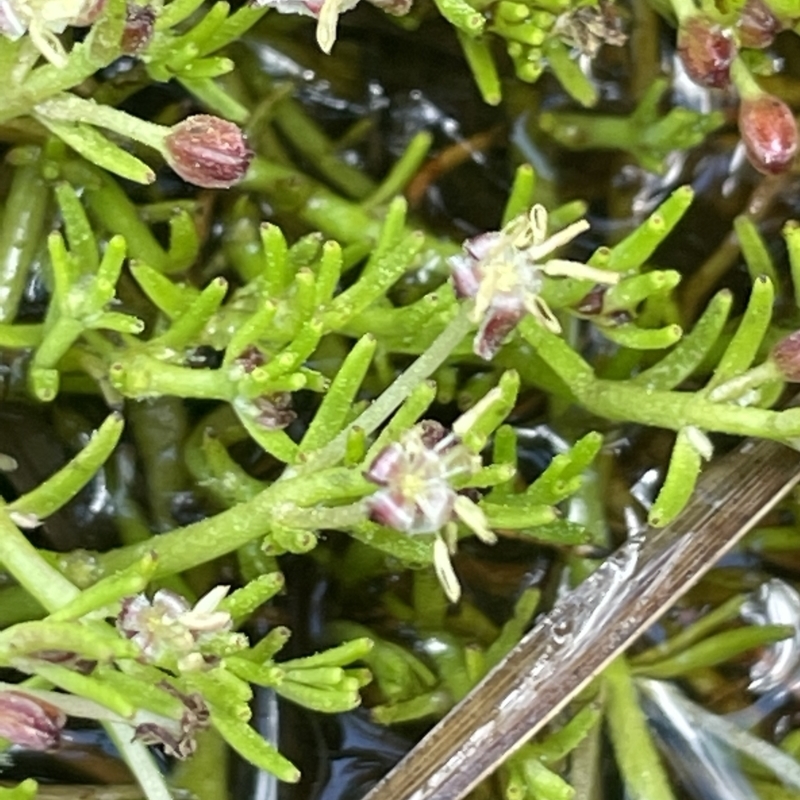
[320,208]
[402,387]
[340,517]
[184,548]
[43,582]
[743,80]
[61,487]
[20,235]
[674,410]
[292,192]
[113,209]
[315,146]
[160,429]
[195,544]
[402,171]
[636,755]
[138,375]
[71,108]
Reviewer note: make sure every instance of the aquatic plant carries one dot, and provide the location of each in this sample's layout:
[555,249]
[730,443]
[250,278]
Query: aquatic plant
[299,358]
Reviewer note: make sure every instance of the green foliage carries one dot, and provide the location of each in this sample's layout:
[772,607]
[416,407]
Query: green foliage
[336,335]
[646,133]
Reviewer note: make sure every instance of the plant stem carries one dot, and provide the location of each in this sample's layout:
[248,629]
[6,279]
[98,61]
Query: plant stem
[379,411]
[141,763]
[22,560]
[71,108]
[20,235]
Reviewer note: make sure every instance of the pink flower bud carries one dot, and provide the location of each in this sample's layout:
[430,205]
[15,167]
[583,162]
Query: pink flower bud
[769,132]
[786,357]
[706,50]
[757,25]
[29,722]
[208,151]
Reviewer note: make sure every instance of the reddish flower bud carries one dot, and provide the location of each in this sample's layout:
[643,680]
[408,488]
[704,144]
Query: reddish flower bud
[139,26]
[786,357]
[29,722]
[757,25]
[591,304]
[707,51]
[208,151]
[769,132]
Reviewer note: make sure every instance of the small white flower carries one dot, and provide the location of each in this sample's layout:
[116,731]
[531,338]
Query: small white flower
[417,494]
[168,627]
[43,19]
[503,272]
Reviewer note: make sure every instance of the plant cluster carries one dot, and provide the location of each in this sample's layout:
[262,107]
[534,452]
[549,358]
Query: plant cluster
[377,370]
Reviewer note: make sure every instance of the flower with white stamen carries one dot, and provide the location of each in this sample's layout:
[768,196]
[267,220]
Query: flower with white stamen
[417,494]
[168,627]
[43,19]
[503,272]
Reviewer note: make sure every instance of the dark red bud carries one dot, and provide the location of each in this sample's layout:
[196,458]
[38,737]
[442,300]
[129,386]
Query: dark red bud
[591,303]
[432,432]
[786,356]
[140,23]
[769,132]
[757,25]
[208,151]
[706,50]
[250,358]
